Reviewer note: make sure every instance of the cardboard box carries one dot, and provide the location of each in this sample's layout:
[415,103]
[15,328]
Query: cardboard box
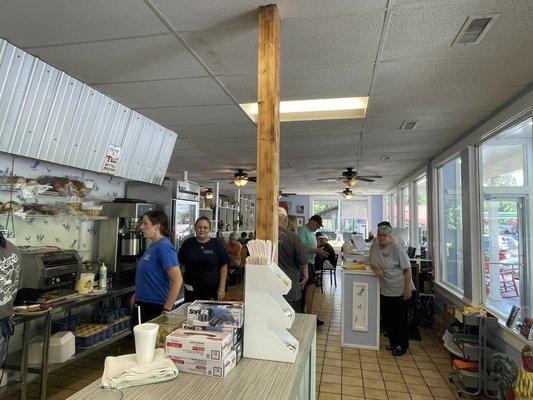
[229,314]
[236,333]
[219,369]
[198,344]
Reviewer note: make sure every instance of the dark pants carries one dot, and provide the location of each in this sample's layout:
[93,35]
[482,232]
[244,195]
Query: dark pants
[202,292]
[296,305]
[394,311]
[148,311]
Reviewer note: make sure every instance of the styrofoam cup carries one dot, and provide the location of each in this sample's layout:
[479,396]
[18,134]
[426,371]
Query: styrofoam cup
[145,338]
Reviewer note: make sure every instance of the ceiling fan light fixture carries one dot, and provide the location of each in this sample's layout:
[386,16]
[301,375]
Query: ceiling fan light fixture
[350,181]
[208,195]
[240,181]
[347,194]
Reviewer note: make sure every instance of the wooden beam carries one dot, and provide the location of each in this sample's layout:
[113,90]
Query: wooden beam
[268,123]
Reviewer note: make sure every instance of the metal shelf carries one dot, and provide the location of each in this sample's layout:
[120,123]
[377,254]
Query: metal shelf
[83,353]
[59,216]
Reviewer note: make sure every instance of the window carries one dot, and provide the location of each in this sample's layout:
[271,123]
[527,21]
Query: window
[405,211]
[354,216]
[394,210]
[328,210]
[386,208]
[422,210]
[505,165]
[450,224]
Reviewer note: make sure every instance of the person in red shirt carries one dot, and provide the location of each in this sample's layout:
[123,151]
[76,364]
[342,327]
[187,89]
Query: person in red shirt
[234,250]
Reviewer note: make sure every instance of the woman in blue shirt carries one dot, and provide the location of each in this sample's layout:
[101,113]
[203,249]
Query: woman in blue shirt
[158,277]
[206,264]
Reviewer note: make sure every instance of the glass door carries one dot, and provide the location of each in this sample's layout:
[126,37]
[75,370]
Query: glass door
[185,214]
[503,253]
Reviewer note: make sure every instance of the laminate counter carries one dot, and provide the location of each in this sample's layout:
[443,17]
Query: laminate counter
[250,379]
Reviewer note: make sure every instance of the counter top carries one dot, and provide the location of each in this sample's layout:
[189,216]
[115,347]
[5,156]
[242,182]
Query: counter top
[250,379]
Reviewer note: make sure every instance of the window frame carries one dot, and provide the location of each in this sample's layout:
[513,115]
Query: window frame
[459,291]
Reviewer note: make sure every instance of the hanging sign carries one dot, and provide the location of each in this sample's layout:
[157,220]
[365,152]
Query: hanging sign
[111,160]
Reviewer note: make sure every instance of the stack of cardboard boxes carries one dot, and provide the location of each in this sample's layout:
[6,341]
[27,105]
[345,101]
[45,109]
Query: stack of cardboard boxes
[210,341]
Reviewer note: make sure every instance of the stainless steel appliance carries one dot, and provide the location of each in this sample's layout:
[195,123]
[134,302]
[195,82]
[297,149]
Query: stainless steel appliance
[45,270]
[121,243]
[180,200]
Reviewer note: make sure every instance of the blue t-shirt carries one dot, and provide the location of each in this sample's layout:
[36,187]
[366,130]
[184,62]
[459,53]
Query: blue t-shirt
[151,279]
[203,261]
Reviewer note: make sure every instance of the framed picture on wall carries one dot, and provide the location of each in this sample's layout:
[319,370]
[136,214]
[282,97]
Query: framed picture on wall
[300,221]
[300,209]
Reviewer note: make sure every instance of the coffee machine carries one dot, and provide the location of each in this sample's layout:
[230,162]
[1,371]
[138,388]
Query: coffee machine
[121,242]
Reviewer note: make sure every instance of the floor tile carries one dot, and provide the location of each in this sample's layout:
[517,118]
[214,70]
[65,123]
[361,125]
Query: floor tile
[418,389]
[409,371]
[352,381]
[398,395]
[331,378]
[396,387]
[329,396]
[348,390]
[328,369]
[411,379]
[389,377]
[375,394]
[352,372]
[373,383]
[330,387]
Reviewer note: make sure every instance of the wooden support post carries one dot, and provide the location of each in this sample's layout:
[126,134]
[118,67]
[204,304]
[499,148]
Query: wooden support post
[268,123]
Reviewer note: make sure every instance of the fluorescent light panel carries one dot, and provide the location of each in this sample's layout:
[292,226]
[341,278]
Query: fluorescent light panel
[318,109]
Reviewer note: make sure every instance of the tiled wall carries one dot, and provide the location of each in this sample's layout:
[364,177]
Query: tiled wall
[64,233]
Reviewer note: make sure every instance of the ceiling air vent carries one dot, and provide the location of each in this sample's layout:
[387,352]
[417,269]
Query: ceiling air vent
[408,125]
[385,157]
[473,30]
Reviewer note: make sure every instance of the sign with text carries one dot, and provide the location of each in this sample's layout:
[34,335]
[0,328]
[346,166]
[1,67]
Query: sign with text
[111,160]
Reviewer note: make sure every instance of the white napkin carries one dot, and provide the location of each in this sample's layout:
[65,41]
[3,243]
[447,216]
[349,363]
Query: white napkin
[123,371]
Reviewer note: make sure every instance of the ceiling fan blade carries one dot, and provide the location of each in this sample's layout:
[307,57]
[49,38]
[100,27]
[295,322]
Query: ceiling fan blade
[362,179]
[335,179]
[252,178]
[369,176]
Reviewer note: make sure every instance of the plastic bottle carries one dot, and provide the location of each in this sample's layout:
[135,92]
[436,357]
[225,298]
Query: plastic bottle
[103,277]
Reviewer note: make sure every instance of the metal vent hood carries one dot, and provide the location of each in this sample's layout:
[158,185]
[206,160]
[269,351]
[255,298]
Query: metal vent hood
[48,115]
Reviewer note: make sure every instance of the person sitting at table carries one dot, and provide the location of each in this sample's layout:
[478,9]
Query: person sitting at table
[158,277]
[322,241]
[234,250]
[390,263]
[206,264]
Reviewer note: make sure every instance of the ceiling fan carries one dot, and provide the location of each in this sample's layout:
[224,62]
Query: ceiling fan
[350,177]
[283,194]
[240,178]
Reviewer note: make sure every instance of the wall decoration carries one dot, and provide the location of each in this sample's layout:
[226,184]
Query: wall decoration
[300,209]
[360,306]
[300,221]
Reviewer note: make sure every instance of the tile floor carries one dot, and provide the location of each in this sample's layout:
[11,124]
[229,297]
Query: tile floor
[341,373]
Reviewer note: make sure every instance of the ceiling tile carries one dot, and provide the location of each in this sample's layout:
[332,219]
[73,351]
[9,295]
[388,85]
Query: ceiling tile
[326,41]
[326,127]
[467,73]
[188,15]
[428,30]
[300,84]
[167,93]
[445,122]
[137,59]
[28,23]
[225,114]
[214,131]
[437,103]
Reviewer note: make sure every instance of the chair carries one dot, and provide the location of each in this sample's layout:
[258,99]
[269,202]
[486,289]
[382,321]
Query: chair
[331,268]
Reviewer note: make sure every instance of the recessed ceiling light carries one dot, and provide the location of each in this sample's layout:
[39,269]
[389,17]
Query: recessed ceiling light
[317,109]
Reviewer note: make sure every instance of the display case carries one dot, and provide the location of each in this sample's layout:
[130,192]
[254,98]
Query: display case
[268,315]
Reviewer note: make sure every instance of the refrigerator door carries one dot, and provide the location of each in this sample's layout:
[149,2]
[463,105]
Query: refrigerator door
[184,215]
